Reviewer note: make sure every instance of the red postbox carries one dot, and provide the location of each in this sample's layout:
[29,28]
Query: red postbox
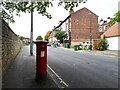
[41,60]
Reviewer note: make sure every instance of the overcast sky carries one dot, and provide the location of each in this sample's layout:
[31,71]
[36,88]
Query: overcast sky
[103,8]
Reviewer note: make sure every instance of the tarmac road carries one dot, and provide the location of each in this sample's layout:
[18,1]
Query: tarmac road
[84,70]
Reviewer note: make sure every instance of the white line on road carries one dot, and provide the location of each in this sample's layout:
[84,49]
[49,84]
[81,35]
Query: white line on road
[60,79]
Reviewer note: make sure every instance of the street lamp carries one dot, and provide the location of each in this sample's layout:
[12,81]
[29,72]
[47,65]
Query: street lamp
[31,33]
[90,31]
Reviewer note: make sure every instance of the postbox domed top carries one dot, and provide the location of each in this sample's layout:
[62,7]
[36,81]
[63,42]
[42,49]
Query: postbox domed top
[40,41]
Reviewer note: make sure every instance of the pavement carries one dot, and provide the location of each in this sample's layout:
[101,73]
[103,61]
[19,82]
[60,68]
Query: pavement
[21,73]
[115,53]
[107,52]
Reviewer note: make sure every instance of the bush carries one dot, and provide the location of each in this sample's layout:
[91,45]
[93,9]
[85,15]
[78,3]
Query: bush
[75,47]
[103,45]
[90,47]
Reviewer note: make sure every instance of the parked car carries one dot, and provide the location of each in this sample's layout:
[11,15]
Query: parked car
[86,44]
[48,44]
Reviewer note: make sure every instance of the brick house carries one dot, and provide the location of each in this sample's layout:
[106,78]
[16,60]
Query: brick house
[82,25]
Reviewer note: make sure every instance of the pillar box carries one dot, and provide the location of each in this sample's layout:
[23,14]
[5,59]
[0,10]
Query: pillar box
[41,59]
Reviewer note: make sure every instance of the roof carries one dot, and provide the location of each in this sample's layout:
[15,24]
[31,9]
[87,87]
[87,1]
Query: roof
[112,31]
[62,22]
[86,9]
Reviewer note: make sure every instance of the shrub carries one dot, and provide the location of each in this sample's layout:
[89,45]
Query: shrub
[90,47]
[103,45]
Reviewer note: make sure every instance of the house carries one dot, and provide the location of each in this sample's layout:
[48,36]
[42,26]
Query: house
[26,40]
[113,36]
[52,37]
[61,25]
[81,26]
[104,25]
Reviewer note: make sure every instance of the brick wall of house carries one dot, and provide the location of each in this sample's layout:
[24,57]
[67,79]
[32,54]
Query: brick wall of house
[80,25]
[11,45]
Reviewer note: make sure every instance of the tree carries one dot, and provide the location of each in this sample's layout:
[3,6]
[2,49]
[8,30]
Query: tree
[39,38]
[60,35]
[47,38]
[103,45]
[9,7]
[21,37]
[47,35]
[115,19]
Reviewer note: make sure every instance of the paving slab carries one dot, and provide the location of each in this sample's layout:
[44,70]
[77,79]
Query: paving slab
[21,73]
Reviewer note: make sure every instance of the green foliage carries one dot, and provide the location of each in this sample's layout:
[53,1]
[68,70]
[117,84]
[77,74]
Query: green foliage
[112,21]
[21,37]
[8,8]
[103,45]
[46,37]
[69,4]
[60,35]
[77,47]
[115,19]
[39,38]
[90,47]
[16,6]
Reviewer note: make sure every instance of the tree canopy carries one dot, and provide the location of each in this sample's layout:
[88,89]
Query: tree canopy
[103,44]
[60,35]
[47,35]
[39,38]
[16,6]
[115,19]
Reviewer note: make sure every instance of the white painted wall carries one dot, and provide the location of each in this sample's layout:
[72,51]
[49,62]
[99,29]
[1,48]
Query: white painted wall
[113,43]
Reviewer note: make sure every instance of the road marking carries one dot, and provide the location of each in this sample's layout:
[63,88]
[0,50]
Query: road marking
[57,79]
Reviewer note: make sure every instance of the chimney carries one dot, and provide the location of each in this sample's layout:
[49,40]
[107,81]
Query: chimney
[71,11]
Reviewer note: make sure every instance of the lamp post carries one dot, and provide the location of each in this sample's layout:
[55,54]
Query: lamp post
[31,33]
[90,31]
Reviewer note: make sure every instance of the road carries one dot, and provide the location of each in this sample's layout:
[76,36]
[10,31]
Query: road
[84,70]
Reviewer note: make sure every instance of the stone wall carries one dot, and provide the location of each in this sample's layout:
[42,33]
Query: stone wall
[0,54]
[11,45]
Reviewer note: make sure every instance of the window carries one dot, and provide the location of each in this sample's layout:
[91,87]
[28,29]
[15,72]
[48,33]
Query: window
[104,28]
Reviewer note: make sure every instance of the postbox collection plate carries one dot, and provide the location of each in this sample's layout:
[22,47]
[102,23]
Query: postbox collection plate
[42,54]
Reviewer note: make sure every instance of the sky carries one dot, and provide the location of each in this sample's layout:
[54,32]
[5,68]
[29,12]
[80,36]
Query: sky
[41,24]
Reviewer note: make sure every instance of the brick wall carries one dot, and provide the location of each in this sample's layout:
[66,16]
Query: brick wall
[81,22]
[11,45]
[95,44]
